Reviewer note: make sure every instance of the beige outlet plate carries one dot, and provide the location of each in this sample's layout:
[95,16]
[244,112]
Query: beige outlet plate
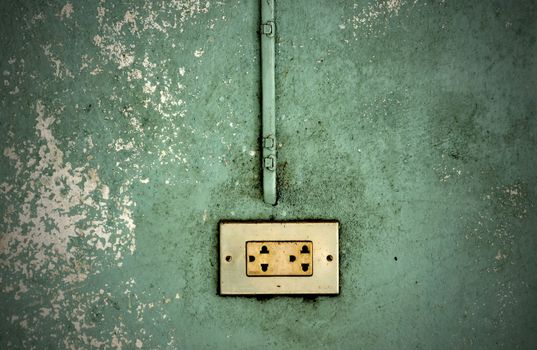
[240,242]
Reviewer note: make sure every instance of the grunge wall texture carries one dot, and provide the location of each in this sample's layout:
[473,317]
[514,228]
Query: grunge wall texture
[129,129]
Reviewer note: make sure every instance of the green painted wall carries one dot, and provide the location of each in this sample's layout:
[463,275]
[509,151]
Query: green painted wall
[129,129]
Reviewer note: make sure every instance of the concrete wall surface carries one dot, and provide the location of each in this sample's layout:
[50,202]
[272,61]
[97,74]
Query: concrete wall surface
[129,129]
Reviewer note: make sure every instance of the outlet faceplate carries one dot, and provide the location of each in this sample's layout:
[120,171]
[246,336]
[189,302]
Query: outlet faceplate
[260,258]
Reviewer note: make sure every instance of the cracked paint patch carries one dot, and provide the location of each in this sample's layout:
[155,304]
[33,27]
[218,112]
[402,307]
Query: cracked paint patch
[373,19]
[60,202]
[66,11]
[60,70]
[117,38]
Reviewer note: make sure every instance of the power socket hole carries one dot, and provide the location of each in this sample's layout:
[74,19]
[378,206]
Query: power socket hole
[305,250]
[251,258]
[292,258]
[264,267]
[264,250]
[305,267]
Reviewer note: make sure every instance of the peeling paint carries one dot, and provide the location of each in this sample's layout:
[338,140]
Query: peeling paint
[67,10]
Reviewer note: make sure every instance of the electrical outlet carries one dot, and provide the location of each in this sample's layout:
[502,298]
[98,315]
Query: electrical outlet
[279,258]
